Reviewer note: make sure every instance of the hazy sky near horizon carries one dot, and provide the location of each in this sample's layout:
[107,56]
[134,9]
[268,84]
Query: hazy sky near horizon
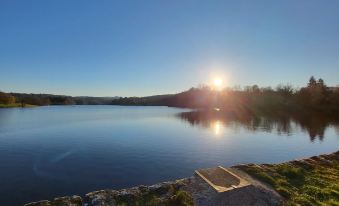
[137,48]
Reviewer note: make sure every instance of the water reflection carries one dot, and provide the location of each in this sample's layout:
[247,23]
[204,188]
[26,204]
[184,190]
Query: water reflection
[287,124]
[216,127]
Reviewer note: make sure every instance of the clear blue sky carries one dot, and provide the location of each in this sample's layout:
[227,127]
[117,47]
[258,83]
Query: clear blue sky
[136,48]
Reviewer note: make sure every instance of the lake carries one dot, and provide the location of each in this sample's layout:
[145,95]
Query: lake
[53,151]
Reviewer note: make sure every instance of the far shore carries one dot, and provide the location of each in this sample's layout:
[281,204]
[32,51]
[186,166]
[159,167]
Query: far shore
[17,105]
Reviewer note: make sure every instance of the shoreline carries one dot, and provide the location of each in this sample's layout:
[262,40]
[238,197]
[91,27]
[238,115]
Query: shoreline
[5,106]
[287,183]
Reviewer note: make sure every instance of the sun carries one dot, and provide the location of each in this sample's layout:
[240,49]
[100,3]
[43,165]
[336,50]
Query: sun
[217,82]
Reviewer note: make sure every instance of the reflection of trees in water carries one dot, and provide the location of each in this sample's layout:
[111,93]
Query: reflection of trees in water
[314,125]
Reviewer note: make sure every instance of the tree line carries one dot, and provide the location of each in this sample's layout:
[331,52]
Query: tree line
[316,96]
[23,99]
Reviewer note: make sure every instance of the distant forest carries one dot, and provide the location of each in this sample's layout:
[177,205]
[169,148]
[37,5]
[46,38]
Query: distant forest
[315,97]
[49,99]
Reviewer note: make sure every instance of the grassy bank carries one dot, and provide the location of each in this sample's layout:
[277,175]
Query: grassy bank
[312,181]
[15,105]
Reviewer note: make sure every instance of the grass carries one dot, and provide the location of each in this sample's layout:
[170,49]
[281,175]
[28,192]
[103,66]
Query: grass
[15,105]
[313,181]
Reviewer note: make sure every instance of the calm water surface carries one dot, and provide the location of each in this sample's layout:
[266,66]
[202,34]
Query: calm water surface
[63,150]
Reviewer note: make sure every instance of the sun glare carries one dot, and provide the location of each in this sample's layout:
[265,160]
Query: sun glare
[217,82]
